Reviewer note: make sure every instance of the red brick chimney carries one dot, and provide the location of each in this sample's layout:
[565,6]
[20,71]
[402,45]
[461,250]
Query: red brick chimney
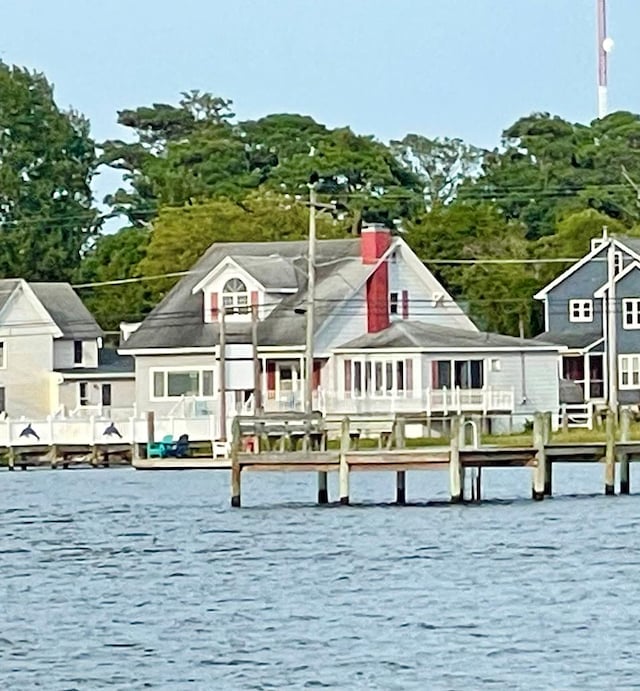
[374,242]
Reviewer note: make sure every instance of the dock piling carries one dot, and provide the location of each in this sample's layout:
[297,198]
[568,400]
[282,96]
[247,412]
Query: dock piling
[610,453]
[323,491]
[456,476]
[623,458]
[548,468]
[540,468]
[345,442]
[401,476]
[235,465]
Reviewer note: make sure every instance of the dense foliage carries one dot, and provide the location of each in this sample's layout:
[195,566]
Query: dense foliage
[193,174]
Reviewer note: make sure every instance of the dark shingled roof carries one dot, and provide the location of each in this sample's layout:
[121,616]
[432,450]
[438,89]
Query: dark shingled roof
[177,321]
[67,310]
[409,334]
[109,362]
[571,339]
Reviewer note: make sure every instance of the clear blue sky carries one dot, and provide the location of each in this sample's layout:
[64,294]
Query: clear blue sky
[463,68]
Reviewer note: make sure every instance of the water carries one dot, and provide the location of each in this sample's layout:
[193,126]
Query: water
[123,580]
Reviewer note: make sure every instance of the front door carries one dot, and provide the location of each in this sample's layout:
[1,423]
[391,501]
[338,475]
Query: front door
[287,382]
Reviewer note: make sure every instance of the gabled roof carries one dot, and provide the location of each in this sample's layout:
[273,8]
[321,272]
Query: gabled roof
[602,291]
[176,322]
[59,301]
[629,245]
[67,310]
[421,336]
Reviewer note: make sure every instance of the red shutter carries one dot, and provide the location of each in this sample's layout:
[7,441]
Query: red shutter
[271,375]
[435,384]
[213,306]
[254,298]
[405,304]
[317,368]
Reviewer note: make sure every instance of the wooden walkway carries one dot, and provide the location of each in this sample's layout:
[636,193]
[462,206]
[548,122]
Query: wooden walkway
[456,458]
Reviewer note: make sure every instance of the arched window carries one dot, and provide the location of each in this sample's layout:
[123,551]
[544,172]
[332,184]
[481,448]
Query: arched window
[235,298]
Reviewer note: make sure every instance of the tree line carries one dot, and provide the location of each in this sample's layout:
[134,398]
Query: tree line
[194,173]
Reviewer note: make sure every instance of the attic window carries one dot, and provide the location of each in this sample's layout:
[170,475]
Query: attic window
[235,298]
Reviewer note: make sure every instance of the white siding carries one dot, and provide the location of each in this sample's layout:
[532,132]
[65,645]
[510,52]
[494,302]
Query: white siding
[63,354]
[28,346]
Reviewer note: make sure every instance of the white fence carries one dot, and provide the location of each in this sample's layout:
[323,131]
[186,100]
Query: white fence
[94,431]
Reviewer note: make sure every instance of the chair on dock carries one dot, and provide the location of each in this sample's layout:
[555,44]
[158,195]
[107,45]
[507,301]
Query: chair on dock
[160,449]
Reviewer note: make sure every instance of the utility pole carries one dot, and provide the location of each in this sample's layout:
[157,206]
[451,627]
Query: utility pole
[257,370]
[612,325]
[222,375]
[311,296]
[605,46]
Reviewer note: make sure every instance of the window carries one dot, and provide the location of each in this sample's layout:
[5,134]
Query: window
[378,378]
[464,374]
[393,303]
[3,355]
[631,313]
[77,352]
[106,394]
[83,393]
[235,298]
[618,264]
[629,371]
[177,383]
[580,310]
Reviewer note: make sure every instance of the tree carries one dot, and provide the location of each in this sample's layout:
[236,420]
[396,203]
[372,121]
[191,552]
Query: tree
[116,257]
[180,236]
[442,165]
[47,161]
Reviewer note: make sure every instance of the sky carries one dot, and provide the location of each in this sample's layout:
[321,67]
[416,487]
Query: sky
[464,68]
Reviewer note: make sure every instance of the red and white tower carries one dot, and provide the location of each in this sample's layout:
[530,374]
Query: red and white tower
[605,46]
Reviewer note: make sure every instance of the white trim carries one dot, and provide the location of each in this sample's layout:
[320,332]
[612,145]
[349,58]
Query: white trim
[35,303]
[541,294]
[459,349]
[188,350]
[634,303]
[168,369]
[581,310]
[629,371]
[75,376]
[220,268]
[3,351]
[602,291]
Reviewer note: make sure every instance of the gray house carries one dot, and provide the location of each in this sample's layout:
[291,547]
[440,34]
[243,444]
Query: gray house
[577,310]
[368,287]
[52,360]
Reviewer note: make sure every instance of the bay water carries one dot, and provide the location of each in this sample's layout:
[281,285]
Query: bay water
[132,580]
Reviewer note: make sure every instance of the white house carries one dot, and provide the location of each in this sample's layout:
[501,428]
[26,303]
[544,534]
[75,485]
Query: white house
[387,336]
[52,359]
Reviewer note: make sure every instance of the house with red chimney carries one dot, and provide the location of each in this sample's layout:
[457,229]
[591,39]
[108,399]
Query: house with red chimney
[388,338]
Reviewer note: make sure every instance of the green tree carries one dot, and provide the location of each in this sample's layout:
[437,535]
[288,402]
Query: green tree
[47,161]
[181,236]
[442,165]
[112,260]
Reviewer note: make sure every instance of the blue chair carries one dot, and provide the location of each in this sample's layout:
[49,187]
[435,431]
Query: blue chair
[160,449]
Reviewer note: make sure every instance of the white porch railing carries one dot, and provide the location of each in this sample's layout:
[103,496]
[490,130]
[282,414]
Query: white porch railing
[429,401]
[576,416]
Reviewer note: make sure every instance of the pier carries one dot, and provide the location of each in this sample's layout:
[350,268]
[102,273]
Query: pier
[342,455]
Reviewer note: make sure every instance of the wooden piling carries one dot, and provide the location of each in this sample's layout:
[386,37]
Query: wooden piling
[345,442]
[456,477]
[323,491]
[236,470]
[478,492]
[401,476]
[610,453]
[11,458]
[151,432]
[539,470]
[623,458]
[548,468]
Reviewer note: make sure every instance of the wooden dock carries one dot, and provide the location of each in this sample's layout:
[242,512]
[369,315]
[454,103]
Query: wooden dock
[616,452]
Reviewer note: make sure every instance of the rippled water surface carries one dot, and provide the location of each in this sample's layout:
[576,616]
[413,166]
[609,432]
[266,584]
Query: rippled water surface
[124,580]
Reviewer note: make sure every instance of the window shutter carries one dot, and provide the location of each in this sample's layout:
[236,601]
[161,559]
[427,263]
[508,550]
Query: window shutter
[435,384]
[317,367]
[213,306]
[254,302]
[271,375]
[405,304]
